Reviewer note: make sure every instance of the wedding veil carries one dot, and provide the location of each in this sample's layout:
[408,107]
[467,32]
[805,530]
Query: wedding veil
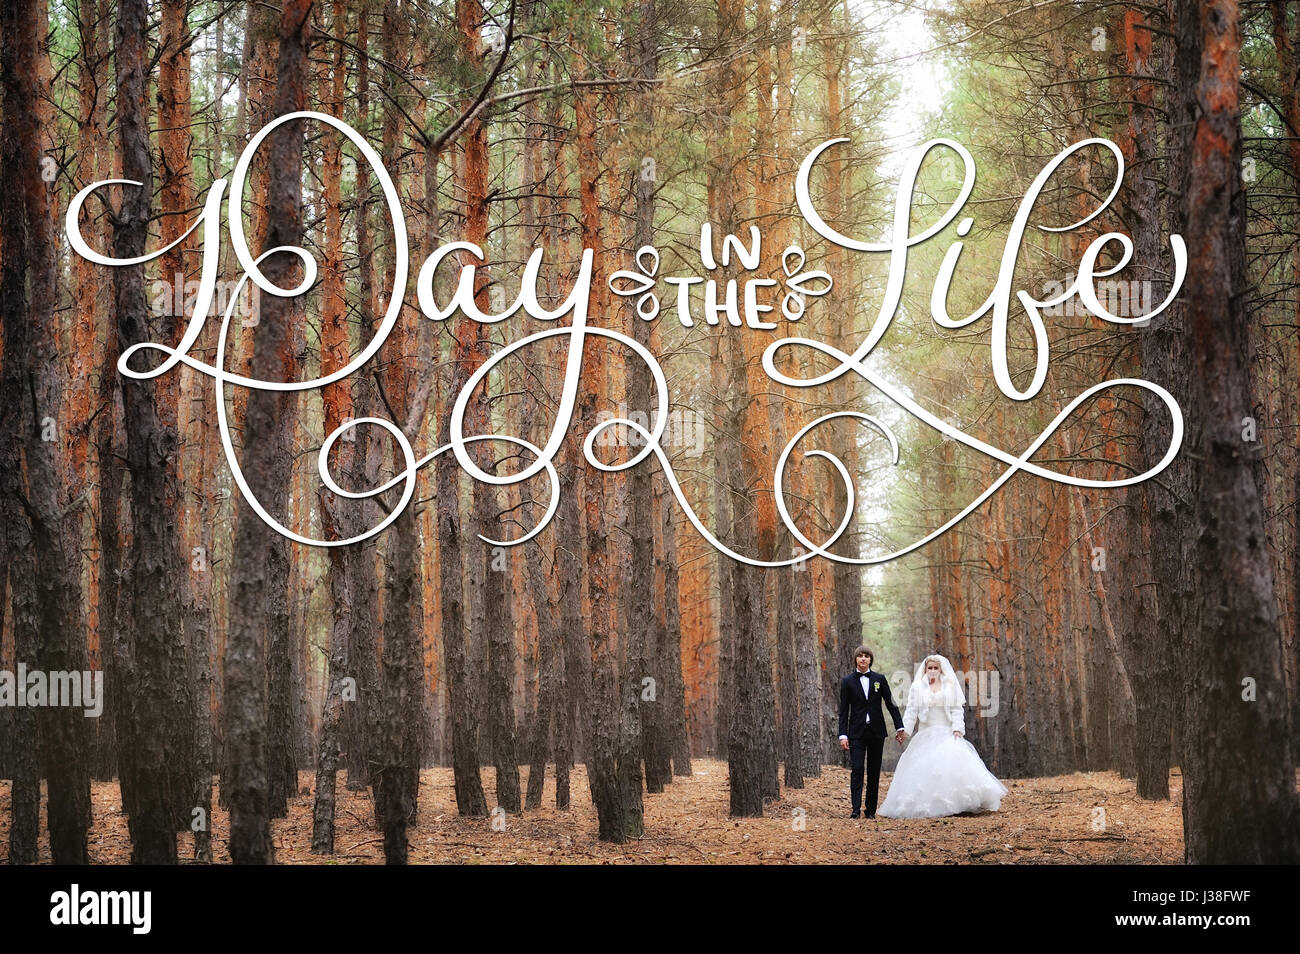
[919,695]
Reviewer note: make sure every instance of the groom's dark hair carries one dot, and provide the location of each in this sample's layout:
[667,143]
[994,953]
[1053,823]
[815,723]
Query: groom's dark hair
[864,651]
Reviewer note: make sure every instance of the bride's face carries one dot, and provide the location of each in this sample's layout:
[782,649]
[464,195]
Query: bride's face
[933,672]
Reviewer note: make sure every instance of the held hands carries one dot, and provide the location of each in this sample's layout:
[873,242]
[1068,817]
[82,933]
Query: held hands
[898,736]
[956,734]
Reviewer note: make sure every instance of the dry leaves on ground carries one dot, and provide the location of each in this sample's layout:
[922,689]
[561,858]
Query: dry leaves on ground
[1093,818]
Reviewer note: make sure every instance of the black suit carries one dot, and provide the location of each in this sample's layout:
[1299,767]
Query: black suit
[863,722]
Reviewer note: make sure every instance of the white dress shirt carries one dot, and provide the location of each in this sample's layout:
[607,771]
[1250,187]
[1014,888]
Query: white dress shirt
[865,679]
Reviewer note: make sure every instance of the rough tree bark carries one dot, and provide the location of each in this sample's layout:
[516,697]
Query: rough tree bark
[602,693]
[467,355]
[155,755]
[337,401]
[359,717]
[1239,798]
[258,602]
[45,577]
[1151,648]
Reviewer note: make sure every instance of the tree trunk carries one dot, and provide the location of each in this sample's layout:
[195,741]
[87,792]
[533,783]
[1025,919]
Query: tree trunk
[259,581]
[1287,46]
[1239,798]
[156,753]
[336,399]
[358,717]
[643,657]
[45,570]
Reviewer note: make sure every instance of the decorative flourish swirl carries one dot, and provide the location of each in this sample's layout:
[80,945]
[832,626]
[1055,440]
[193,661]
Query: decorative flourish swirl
[1015,463]
[810,283]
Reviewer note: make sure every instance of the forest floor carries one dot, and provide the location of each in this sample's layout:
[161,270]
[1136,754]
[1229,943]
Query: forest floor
[1042,821]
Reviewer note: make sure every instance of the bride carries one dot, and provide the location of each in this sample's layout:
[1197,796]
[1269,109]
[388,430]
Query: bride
[939,773]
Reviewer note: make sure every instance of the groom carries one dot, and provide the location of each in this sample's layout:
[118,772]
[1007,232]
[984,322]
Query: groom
[862,726]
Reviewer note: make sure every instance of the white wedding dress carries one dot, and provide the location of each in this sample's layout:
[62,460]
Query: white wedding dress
[938,774]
